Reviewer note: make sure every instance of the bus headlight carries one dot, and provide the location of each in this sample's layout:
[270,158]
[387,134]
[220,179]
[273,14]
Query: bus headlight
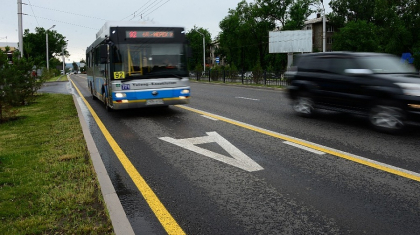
[185,91]
[120,95]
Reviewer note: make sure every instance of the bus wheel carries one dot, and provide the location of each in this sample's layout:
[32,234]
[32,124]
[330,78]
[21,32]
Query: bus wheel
[107,107]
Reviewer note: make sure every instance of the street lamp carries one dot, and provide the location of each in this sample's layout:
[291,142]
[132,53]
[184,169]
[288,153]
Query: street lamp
[204,52]
[323,28]
[48,61]
[64,61]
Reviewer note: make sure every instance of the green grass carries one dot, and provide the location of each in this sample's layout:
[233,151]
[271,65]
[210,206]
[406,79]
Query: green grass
[61,78]
[47,181]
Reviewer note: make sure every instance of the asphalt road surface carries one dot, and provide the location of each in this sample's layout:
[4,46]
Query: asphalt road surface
[237,160]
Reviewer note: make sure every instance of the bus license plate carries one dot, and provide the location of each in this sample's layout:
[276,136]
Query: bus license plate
[153,102]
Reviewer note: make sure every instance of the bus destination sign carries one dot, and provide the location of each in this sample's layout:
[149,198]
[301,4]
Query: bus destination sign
[149,34]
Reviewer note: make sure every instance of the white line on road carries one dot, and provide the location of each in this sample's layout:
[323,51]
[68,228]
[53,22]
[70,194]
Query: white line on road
[245,98]
[214,119]
[351,157]
[304,148]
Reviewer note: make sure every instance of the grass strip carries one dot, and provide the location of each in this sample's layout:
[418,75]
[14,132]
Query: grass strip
[47,181]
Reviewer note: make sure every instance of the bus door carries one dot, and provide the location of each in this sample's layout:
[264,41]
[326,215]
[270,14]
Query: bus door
[105,72]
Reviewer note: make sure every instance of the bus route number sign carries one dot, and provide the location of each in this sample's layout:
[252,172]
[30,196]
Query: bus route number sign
[119,75]
[149,34]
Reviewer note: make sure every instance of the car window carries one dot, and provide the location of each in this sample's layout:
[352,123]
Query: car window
[339,64]
[385,64]
[313,64]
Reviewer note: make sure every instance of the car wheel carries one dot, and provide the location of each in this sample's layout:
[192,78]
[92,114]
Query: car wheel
[303,105]
[387,118]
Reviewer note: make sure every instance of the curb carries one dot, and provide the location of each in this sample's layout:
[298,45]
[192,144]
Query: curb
[116,212]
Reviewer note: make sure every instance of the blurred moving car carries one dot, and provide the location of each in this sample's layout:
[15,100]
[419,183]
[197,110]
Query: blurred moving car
[378,86]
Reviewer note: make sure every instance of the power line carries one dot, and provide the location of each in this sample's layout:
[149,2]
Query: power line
[137,10]
[71,13]
[33,12]
[63,22]
[158,7]
[151,5]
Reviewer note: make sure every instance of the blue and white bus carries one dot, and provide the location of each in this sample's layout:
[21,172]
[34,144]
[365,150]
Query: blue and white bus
[134,65]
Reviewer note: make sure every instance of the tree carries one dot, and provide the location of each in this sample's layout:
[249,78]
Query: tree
[75,66]
[351,10]
[357,36]
[396,24]
[35,46]
[17,83]
[276,10]
[299,11]
[196,44]
[244,36]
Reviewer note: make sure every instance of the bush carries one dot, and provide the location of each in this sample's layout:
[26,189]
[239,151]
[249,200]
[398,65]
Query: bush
[257,73]
[18,84]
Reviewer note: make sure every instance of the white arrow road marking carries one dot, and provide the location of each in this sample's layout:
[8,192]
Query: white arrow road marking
[238,159]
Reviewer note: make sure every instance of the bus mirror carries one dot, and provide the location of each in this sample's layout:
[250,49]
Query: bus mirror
[103,52]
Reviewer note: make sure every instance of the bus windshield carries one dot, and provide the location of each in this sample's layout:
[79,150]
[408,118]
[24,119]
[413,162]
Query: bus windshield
[140,61]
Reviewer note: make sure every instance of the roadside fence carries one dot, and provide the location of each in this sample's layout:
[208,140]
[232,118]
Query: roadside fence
[244,77]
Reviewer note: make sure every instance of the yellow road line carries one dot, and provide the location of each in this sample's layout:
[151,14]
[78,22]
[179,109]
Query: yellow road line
[165,218]
[364,161]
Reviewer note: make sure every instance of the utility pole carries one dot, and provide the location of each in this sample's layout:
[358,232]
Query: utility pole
[204,51]
[323,28]
[64,64]
[46,39]
[64,60]
[19,2]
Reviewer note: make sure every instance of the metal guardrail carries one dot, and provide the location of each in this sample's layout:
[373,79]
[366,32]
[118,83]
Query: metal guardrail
[243,77]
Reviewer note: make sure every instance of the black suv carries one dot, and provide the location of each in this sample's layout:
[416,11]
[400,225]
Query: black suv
[378,86]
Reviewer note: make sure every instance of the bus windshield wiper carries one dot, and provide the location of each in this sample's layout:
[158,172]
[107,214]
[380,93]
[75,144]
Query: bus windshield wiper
[177,76]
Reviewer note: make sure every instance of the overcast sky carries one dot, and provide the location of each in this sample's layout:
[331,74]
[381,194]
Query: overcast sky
[80,20]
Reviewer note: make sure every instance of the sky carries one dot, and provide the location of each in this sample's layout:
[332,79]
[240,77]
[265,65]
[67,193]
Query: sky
[80,20]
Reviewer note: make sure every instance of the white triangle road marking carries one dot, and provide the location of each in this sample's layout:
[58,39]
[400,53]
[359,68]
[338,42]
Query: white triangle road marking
[237,159]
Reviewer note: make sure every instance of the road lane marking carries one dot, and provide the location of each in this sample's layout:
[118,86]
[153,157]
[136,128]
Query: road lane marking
[348,156]
[164,217]
[214,119]
[245,98]
[237,159]
[304,148]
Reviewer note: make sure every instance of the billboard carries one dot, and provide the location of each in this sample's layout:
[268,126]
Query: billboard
[290,41]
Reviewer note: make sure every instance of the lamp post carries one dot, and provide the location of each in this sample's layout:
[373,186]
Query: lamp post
[64,61]
[204,52]
[323,28]
[48,61]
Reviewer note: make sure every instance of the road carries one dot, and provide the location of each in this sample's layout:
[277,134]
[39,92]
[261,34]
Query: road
[234,161]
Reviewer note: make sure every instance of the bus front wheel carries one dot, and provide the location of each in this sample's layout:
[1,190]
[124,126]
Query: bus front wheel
[107,107]
[91,92]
